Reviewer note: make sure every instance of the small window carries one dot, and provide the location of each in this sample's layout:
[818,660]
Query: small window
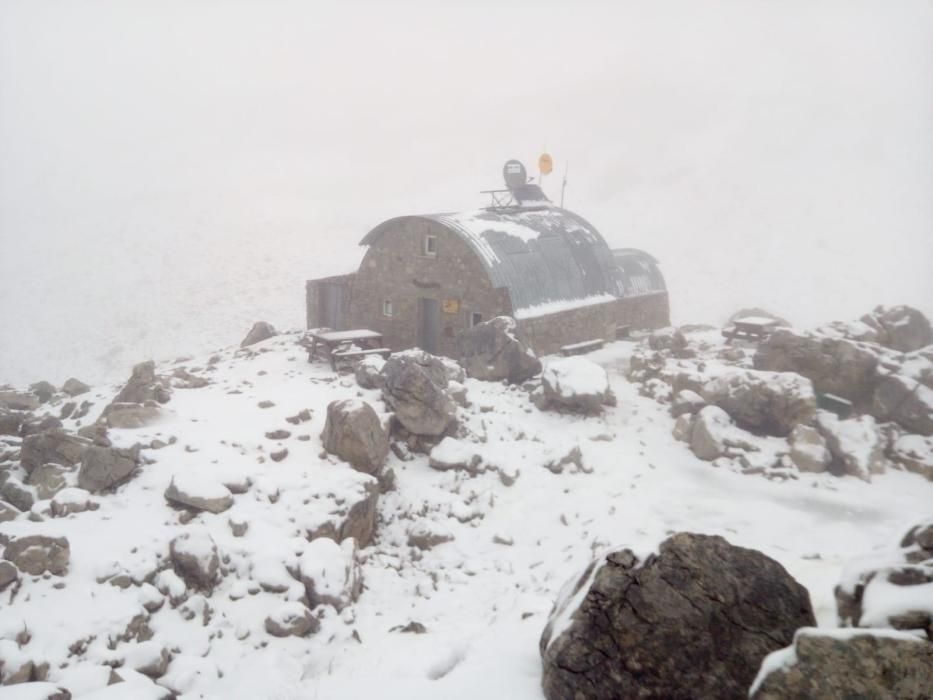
[475,319]
[430,246]
[387,309]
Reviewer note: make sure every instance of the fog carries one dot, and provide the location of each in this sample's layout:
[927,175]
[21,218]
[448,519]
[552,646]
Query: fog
[171,172]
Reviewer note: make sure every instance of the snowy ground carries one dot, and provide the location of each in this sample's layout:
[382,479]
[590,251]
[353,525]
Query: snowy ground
[483,603]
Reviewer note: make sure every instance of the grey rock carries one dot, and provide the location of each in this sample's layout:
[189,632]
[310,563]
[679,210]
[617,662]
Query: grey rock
[694,621]
[9,512]
[9,574]
[105,467]
[219,500]
[769,402]
[368,372]
[37,554]
[19,400]
[75,387]
[915,454]
[415,389]
[195,559]
[33,689]
[683,428]
[143,385]
[44,390]
[292,623]
[493,351]
[905,401]
[17,494]
[856,445]
[686,401]
[259,332]
[356,518]
[561,394]
[32,426]
[864,666]
[901,328]
[49,479]
[808,450]
[55,446]
[131,415]
[713,435]
[11,421]
[331,573]
[834,365]
[353,432]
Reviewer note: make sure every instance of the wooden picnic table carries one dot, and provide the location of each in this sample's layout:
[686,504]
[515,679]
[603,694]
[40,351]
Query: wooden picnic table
[337,344]
[751,328]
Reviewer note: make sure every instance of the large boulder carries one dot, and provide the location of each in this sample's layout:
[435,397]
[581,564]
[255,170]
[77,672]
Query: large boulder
[856,445]
[492,351]
[44,390]
[712,434]
[55,446]
[892,588]
[196,492]
[905,401]
[901,328]
[415,389]
[19,400]
[694,620]
[770,402]
[75,387]
[105,467]
[36,554]
[576,385]
[143,386]
[875,665]
[195,559]
[834,365]
[260,331]
[355,434]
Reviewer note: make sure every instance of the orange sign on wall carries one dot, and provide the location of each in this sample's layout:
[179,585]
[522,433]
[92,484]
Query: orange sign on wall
[450,306]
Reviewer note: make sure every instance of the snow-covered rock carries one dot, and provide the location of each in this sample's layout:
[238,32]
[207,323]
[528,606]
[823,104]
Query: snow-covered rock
[772,402]
[195,559]
[451,453]
[330,572]
[368,372]
[492,351]
[105,467]
[856,444]
[415,389]
[576,384]
[905,401]
[713,434]
[808,450]
[55,446]
[355,434]
[914,453]
[199,492]
[260,331]
[37,554]
[292,620]
[901,328]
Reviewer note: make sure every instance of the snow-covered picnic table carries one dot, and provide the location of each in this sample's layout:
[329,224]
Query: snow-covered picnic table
[751,328]
[345,344]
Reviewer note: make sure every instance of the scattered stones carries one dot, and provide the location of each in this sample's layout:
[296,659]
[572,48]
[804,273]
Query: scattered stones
[193,491]
[302,416]
[195,559]
[427,534]
[292,620]
[809,452]
[75,387]
[355,434]
[259,332]
[37,554]
[823,663]
[106,467]
[492,351]
[576,385]
[647,612]
[265,404]
[770,402]
[415,389]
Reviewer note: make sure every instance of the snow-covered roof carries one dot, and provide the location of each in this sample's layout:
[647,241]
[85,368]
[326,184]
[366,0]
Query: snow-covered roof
[543,255]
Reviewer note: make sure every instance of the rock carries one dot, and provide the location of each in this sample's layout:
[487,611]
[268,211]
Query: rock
[834,365]
[577,385]
[769,402]
[19,400]
[292,620]
[356,517]
[905,401]
[44,390]
[560,460]
[17,494]
[856,445]
[412,389]
[143,386]
[36,554]
[9,512]
[32,426]
[96,433]
[55,446]
[34,690]
[427,534]
[105,467]
[49,479]
[9,574]
[686,401]
[891,588]
[259,332]
[279,455]
[668,339]
[355,434]
[128,416]
[368,372]
[713,435]
[11,422]
[453,454]
[278,435]
[75,387]
[492,351]
[195,559]
[901,328]
[149,658]
[913,452]
[693,621]
[683,428]
[330,573]
[808,450]
[72,500]
[833,664]
[192,491]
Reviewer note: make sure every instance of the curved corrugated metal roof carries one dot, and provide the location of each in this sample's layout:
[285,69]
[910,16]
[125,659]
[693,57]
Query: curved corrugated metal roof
[544,255]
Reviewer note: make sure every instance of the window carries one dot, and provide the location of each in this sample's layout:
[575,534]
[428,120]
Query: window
[387,309]
[429,247]
[475,319]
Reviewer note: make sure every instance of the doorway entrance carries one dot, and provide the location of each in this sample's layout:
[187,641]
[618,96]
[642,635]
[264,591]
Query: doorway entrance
[428,325]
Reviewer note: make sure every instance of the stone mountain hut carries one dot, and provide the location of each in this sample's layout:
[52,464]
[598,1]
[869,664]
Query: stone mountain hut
[424,279]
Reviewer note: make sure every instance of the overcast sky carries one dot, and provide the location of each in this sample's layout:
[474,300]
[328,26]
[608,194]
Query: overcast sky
[172,171]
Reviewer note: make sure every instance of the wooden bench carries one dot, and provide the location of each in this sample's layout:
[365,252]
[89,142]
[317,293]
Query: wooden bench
[581,348]
[351,354]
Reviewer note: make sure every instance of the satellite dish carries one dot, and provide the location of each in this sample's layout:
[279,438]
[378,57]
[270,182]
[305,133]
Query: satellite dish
[514,173]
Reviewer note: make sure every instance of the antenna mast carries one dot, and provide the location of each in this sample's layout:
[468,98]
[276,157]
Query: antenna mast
[564,184]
